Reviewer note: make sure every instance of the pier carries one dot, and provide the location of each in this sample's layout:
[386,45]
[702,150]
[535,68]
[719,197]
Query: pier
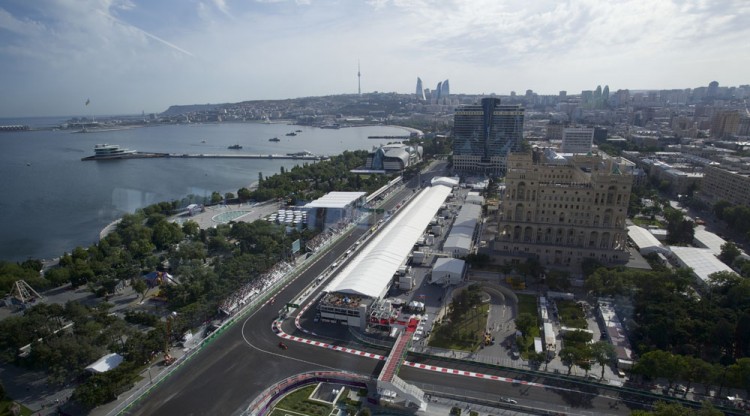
[390,137]
[16,127]
[144,155]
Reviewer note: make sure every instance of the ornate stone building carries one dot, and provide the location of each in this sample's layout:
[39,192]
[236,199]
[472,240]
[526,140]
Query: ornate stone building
[563,210]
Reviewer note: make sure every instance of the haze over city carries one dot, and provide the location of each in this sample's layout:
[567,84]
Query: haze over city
[129,56]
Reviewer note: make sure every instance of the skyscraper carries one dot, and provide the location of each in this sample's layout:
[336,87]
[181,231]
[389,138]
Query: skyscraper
[484,134]
[420,89]
[438,91]
[445,90]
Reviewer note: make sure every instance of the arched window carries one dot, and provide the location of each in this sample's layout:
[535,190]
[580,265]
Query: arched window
[521,191]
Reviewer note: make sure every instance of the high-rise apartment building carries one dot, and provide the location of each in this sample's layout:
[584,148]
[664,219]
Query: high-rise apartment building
[484,134]
[577,139]
[725,123]
[563,210]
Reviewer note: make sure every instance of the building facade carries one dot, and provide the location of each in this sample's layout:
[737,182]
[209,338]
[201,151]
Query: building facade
[728,185]
[563,210]
[484,134]
[577,139]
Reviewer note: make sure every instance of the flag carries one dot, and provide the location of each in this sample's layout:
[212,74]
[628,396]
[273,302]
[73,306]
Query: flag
[88,101]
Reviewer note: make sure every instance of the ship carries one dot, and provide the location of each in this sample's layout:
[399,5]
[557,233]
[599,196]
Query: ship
[114,152]
[291,133]
[235,147]
[111,151]
[274,139]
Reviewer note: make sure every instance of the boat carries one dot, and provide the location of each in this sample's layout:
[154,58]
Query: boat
[291,133]
[111,151]
[203,141]
[298,131]
[274,139]
[235,147]
[331,126]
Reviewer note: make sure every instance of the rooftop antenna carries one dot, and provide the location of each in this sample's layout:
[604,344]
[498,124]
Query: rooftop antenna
[359,80]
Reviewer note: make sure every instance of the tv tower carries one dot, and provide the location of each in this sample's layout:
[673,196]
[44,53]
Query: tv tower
[359,80]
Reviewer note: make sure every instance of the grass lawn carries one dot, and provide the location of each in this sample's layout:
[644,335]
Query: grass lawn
[645,222]
[5,409]
[571,314]
[297,403]
[527,304]
[466,334]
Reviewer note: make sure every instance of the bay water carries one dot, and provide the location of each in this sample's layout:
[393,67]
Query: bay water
[51,201]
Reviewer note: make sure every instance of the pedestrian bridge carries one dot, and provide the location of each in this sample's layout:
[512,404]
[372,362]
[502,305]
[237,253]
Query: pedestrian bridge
[390,386]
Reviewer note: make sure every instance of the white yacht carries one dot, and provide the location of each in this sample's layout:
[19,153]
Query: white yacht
[111,151]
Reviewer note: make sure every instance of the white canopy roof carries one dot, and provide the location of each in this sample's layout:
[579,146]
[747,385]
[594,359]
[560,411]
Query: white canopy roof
[703,262]
[371,271]
[335,200]
[106,363]
[448,265]
[644,240]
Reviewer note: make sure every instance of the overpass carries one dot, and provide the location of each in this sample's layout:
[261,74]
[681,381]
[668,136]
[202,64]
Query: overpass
[390,387]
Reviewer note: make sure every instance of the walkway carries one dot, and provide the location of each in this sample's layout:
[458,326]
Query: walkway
[396,357]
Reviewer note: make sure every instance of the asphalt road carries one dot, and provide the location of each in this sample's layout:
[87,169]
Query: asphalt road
[246,359]
[233,369]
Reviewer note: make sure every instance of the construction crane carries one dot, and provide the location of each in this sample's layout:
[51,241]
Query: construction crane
[168,359]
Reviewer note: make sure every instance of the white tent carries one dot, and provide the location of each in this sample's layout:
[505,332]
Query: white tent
[370,273]
[447,271]
[106,363]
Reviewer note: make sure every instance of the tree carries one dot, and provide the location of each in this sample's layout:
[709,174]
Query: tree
[570,356]
[244,194]
[603,353]
[719,208]
[676,409]
[729,252]
[524,322]
[139,285]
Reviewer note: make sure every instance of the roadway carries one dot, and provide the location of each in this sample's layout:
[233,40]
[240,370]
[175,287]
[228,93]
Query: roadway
[245,359]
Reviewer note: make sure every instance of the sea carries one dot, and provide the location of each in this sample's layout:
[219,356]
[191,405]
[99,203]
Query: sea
[51,201]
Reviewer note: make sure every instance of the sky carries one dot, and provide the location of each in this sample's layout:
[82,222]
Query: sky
[128,56]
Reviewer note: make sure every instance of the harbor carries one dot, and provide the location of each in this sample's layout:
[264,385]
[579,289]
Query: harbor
[145,155]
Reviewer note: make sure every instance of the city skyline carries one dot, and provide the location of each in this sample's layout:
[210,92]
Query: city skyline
[128,56]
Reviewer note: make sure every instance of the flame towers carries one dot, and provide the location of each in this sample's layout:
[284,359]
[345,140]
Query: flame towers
[420,89]
[441,91]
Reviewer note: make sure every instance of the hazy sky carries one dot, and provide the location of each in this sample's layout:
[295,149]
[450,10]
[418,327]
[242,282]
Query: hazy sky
[134,55]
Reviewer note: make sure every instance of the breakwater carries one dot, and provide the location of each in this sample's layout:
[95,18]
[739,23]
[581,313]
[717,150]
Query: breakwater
[144,155]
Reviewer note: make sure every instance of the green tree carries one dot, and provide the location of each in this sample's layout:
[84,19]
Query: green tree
[676,409]
[729,252]
[524,322]
[216,197]
[140,287]
[245,194]
[603,353]
[570,356]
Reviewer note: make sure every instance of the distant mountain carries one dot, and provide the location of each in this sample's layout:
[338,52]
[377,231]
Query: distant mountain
[190,108]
